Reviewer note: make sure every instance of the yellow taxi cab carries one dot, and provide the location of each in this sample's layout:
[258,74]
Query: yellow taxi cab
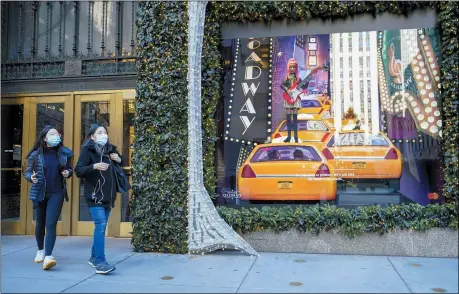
[310,130]
[315,104]
[286,171]
[357,154]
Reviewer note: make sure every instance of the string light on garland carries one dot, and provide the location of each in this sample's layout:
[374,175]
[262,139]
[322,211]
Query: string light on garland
[207,231]
[230,106]
[270,79]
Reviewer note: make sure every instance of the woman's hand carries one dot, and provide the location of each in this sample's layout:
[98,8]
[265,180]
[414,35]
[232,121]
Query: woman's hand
[34,178]
[101,166]
[65,173]
[115,157]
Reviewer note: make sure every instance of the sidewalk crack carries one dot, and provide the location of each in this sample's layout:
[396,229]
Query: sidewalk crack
[408,287]
[245,277]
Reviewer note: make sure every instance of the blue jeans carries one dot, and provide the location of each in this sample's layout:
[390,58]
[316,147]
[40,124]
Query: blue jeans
[100,216]
[47,214]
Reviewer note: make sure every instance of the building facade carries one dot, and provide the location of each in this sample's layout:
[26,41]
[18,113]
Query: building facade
[353,78]
[69,64]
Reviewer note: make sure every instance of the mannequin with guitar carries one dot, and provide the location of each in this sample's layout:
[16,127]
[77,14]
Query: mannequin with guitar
[293,87]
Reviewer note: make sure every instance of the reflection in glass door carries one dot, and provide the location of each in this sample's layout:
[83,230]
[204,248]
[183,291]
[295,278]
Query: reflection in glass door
[89,109]
[51,114]
[91,113]
[128,149]
[56,111]
[13,185]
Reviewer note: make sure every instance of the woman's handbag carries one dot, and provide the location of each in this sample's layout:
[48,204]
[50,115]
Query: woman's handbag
[121,180]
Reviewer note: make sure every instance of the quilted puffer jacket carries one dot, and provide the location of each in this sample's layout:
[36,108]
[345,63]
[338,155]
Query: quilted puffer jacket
[38,190]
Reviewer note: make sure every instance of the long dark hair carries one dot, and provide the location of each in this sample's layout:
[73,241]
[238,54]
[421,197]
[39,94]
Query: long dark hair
[40,143]
[92,130]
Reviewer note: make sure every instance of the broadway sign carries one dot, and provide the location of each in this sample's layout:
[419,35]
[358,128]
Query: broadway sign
[249,103]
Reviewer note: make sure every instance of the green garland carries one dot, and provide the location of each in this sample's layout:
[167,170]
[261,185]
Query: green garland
[351,223]
[160,158]
[449,22]
[160,182]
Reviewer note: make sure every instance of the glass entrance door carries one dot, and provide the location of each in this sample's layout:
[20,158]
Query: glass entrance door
[127,150]
[24,116]
[56,111]
[90,108]
[14,145]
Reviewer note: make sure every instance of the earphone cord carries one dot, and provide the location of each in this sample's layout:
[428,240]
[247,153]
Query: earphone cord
[99,186]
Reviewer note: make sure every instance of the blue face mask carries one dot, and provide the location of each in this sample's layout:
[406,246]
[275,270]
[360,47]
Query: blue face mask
[54,140]
[102,140]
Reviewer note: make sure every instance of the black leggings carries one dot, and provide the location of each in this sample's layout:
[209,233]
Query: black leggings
[47,216]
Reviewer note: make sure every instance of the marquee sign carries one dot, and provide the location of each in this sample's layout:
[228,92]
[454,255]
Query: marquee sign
[248,107]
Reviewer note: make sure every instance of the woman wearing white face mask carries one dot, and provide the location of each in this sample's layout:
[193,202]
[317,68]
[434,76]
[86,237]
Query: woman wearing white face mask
[49,164]
[95,166]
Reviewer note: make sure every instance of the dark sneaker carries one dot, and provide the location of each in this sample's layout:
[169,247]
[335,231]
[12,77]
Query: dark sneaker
[92,262]
[104,268]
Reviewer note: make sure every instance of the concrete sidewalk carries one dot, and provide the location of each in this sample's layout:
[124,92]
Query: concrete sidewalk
[222,272]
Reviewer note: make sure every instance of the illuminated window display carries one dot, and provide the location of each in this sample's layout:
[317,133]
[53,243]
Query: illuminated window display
[348,118]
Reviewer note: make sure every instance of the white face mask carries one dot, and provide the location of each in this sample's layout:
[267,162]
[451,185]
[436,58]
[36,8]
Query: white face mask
[102,140]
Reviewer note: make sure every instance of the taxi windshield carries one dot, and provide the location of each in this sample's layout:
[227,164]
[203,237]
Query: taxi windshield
[358,139]
[286,153]
[306,125]
[310,103]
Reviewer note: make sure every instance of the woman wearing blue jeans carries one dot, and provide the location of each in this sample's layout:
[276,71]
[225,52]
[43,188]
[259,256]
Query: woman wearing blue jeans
[95,167]
[49,164]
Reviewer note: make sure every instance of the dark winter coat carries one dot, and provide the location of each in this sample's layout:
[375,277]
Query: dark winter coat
[99,186]
[36,162]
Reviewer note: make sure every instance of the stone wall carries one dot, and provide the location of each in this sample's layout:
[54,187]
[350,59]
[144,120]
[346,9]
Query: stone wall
[432,243]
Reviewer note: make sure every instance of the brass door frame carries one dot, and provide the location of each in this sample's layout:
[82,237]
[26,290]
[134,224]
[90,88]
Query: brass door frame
[85,228]
[70,224]
[125,227]
[18,227]
[63,226]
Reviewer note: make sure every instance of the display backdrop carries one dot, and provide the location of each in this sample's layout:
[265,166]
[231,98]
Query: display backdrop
[310,52]
[250,87]
[381,148]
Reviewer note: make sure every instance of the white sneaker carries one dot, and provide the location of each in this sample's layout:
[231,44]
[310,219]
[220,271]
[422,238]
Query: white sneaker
[49,263]
[40,256]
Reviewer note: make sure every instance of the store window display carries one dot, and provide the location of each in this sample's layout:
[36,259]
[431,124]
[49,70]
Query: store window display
[329,137]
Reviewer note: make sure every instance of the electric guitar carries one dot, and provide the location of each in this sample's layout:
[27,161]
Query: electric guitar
[296,89]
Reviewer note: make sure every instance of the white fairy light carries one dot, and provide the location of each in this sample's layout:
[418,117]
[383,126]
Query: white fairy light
[207,231]
[434,129]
